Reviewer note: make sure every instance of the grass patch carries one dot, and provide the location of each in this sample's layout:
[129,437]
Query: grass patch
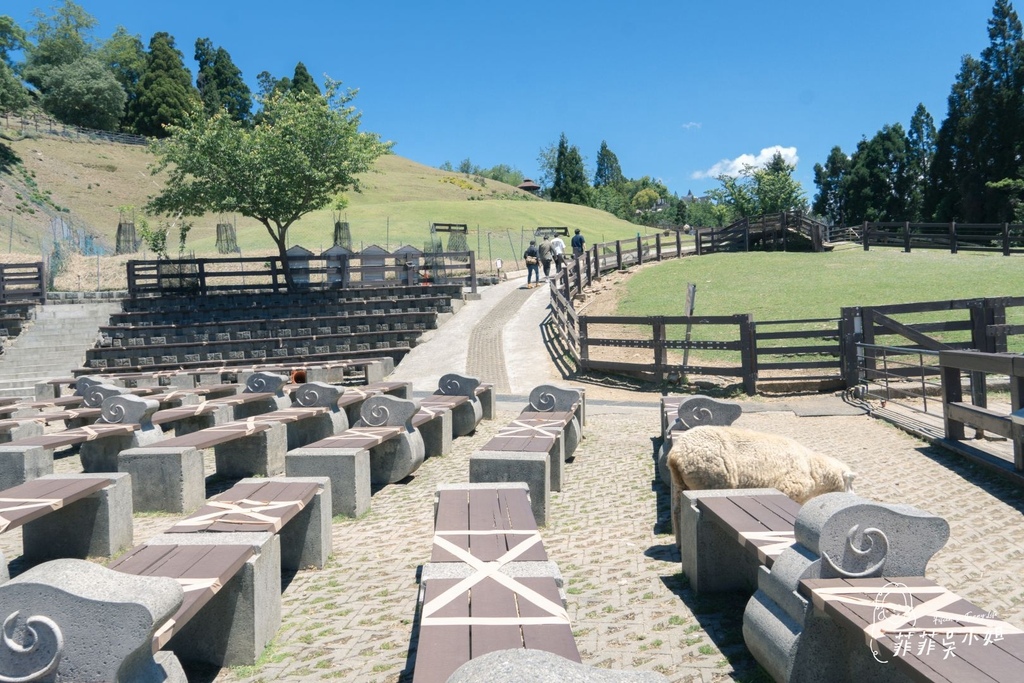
[270,655]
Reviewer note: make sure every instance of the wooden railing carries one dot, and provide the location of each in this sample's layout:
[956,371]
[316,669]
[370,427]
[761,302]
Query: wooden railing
[770,231]
[20,282]
[957,413]
[202,276]
[1005,238]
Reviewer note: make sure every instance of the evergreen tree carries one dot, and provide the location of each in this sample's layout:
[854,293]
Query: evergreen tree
[165,94]
[57,40]
[830,202]
[570,182]
[920,153]
[125,57]
[608,172]
[303,82]
[955,190]
[220,82]
[876,187]
[13,96]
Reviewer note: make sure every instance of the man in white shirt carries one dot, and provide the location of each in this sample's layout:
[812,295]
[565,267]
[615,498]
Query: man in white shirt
[558,249]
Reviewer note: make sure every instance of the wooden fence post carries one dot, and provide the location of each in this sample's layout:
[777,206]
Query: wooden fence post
[1006,239]
[657,245]
[748,352]
[472,272]
[660,355]
[864,235]
[639,250]
[564,277]
[201,272]
[952,237]
[579,274]
[850,334]
[952,392]
[906,237]
[679,244]
[618,254]
[584,344]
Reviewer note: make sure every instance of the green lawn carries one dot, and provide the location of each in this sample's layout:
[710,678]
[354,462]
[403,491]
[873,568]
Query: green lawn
[780,286]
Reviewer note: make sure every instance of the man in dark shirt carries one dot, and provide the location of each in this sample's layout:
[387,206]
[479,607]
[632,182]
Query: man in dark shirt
[545,255]
[578,243]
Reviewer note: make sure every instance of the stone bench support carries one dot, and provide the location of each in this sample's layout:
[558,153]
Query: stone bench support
[532,468]
[348,470]
[165,479]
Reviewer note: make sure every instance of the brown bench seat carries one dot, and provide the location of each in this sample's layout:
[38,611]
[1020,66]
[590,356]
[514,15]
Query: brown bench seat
[922,629]
[462,618]
[299,509]
[54,524]
[762,524]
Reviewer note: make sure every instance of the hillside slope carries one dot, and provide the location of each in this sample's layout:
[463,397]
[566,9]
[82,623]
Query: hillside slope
[46,177]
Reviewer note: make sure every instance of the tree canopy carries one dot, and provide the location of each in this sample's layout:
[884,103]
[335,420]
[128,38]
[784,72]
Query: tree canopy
[220,82]
[757,191]
[303,152]
[165,92]
[85,93]
[569,184]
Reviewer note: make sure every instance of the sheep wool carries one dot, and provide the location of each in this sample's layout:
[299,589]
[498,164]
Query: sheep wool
[736,458]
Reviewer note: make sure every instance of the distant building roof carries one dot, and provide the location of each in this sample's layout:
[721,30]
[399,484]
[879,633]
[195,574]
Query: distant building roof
[528,185]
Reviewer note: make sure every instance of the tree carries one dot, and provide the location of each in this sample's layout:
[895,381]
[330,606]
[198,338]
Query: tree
[546,158]
[920,154]
[570,182]
[85,93]
[58,40]
[125,56]
[757,191]
[608,172]
[876,187]
[303,82]
[13,96]
[830,179]
[220,82]
[302,154]
[955,188]
[165,94]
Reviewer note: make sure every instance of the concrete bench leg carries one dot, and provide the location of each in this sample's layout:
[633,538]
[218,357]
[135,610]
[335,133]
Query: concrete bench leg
[396,458]
[242,618]
[488,403]
[165,479]
[532,468]
[557,455]
[21,431]
[713,560]
[347,468]
[196,423]
[101,455]
[98,525]
[466,417]
[306,539]
[261,454]
[437,435]
[19,464]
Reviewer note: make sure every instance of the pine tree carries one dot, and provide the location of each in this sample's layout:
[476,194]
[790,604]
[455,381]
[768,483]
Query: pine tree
[830,201]
[166,94]
[920,153]
[570,182]
[303,82]
[876,182]
[608,173]
[956,188]
[220,82]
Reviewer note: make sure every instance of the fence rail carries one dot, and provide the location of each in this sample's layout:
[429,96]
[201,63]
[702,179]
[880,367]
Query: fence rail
[45,125]
[204,276]
[22,282]
[1004,238]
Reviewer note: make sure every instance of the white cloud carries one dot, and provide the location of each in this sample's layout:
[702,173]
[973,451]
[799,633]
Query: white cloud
[690,125]
[733,167]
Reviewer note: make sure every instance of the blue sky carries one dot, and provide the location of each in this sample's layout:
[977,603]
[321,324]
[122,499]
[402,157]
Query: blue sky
[679,90]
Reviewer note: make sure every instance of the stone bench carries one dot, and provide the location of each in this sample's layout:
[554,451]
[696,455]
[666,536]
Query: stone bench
[231,587]
[382,447]
[680,413]
[912,629]
[836,536]
[296,508]
[534,446]
[489,585]
[726,535]
[168,474]
[460,394]
[69,515]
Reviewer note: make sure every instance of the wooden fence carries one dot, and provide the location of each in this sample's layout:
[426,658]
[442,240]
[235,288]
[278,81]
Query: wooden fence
[1005,238]
[21,282]
[204,276]
[772,232]
[46,125]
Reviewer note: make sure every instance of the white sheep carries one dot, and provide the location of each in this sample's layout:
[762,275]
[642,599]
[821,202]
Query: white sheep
[735,458]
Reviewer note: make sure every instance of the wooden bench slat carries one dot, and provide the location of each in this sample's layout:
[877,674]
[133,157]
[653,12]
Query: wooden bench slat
[452,515]
[492,600]
[764,513]
[212,517]
[442,649]
[515,506]
[548,637]
[752,516]
[485,515]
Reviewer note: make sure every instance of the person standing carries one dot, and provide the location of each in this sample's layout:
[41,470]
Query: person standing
[531,258]
[558,249]
[579,244]
[545,255]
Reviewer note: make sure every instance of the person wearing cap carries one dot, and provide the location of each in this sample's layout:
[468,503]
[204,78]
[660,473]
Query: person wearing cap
[531,257]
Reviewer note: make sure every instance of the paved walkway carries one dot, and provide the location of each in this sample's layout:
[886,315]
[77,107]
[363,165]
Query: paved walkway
[609,533]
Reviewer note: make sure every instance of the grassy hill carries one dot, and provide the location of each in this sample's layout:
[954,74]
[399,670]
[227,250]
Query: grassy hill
[42,176]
